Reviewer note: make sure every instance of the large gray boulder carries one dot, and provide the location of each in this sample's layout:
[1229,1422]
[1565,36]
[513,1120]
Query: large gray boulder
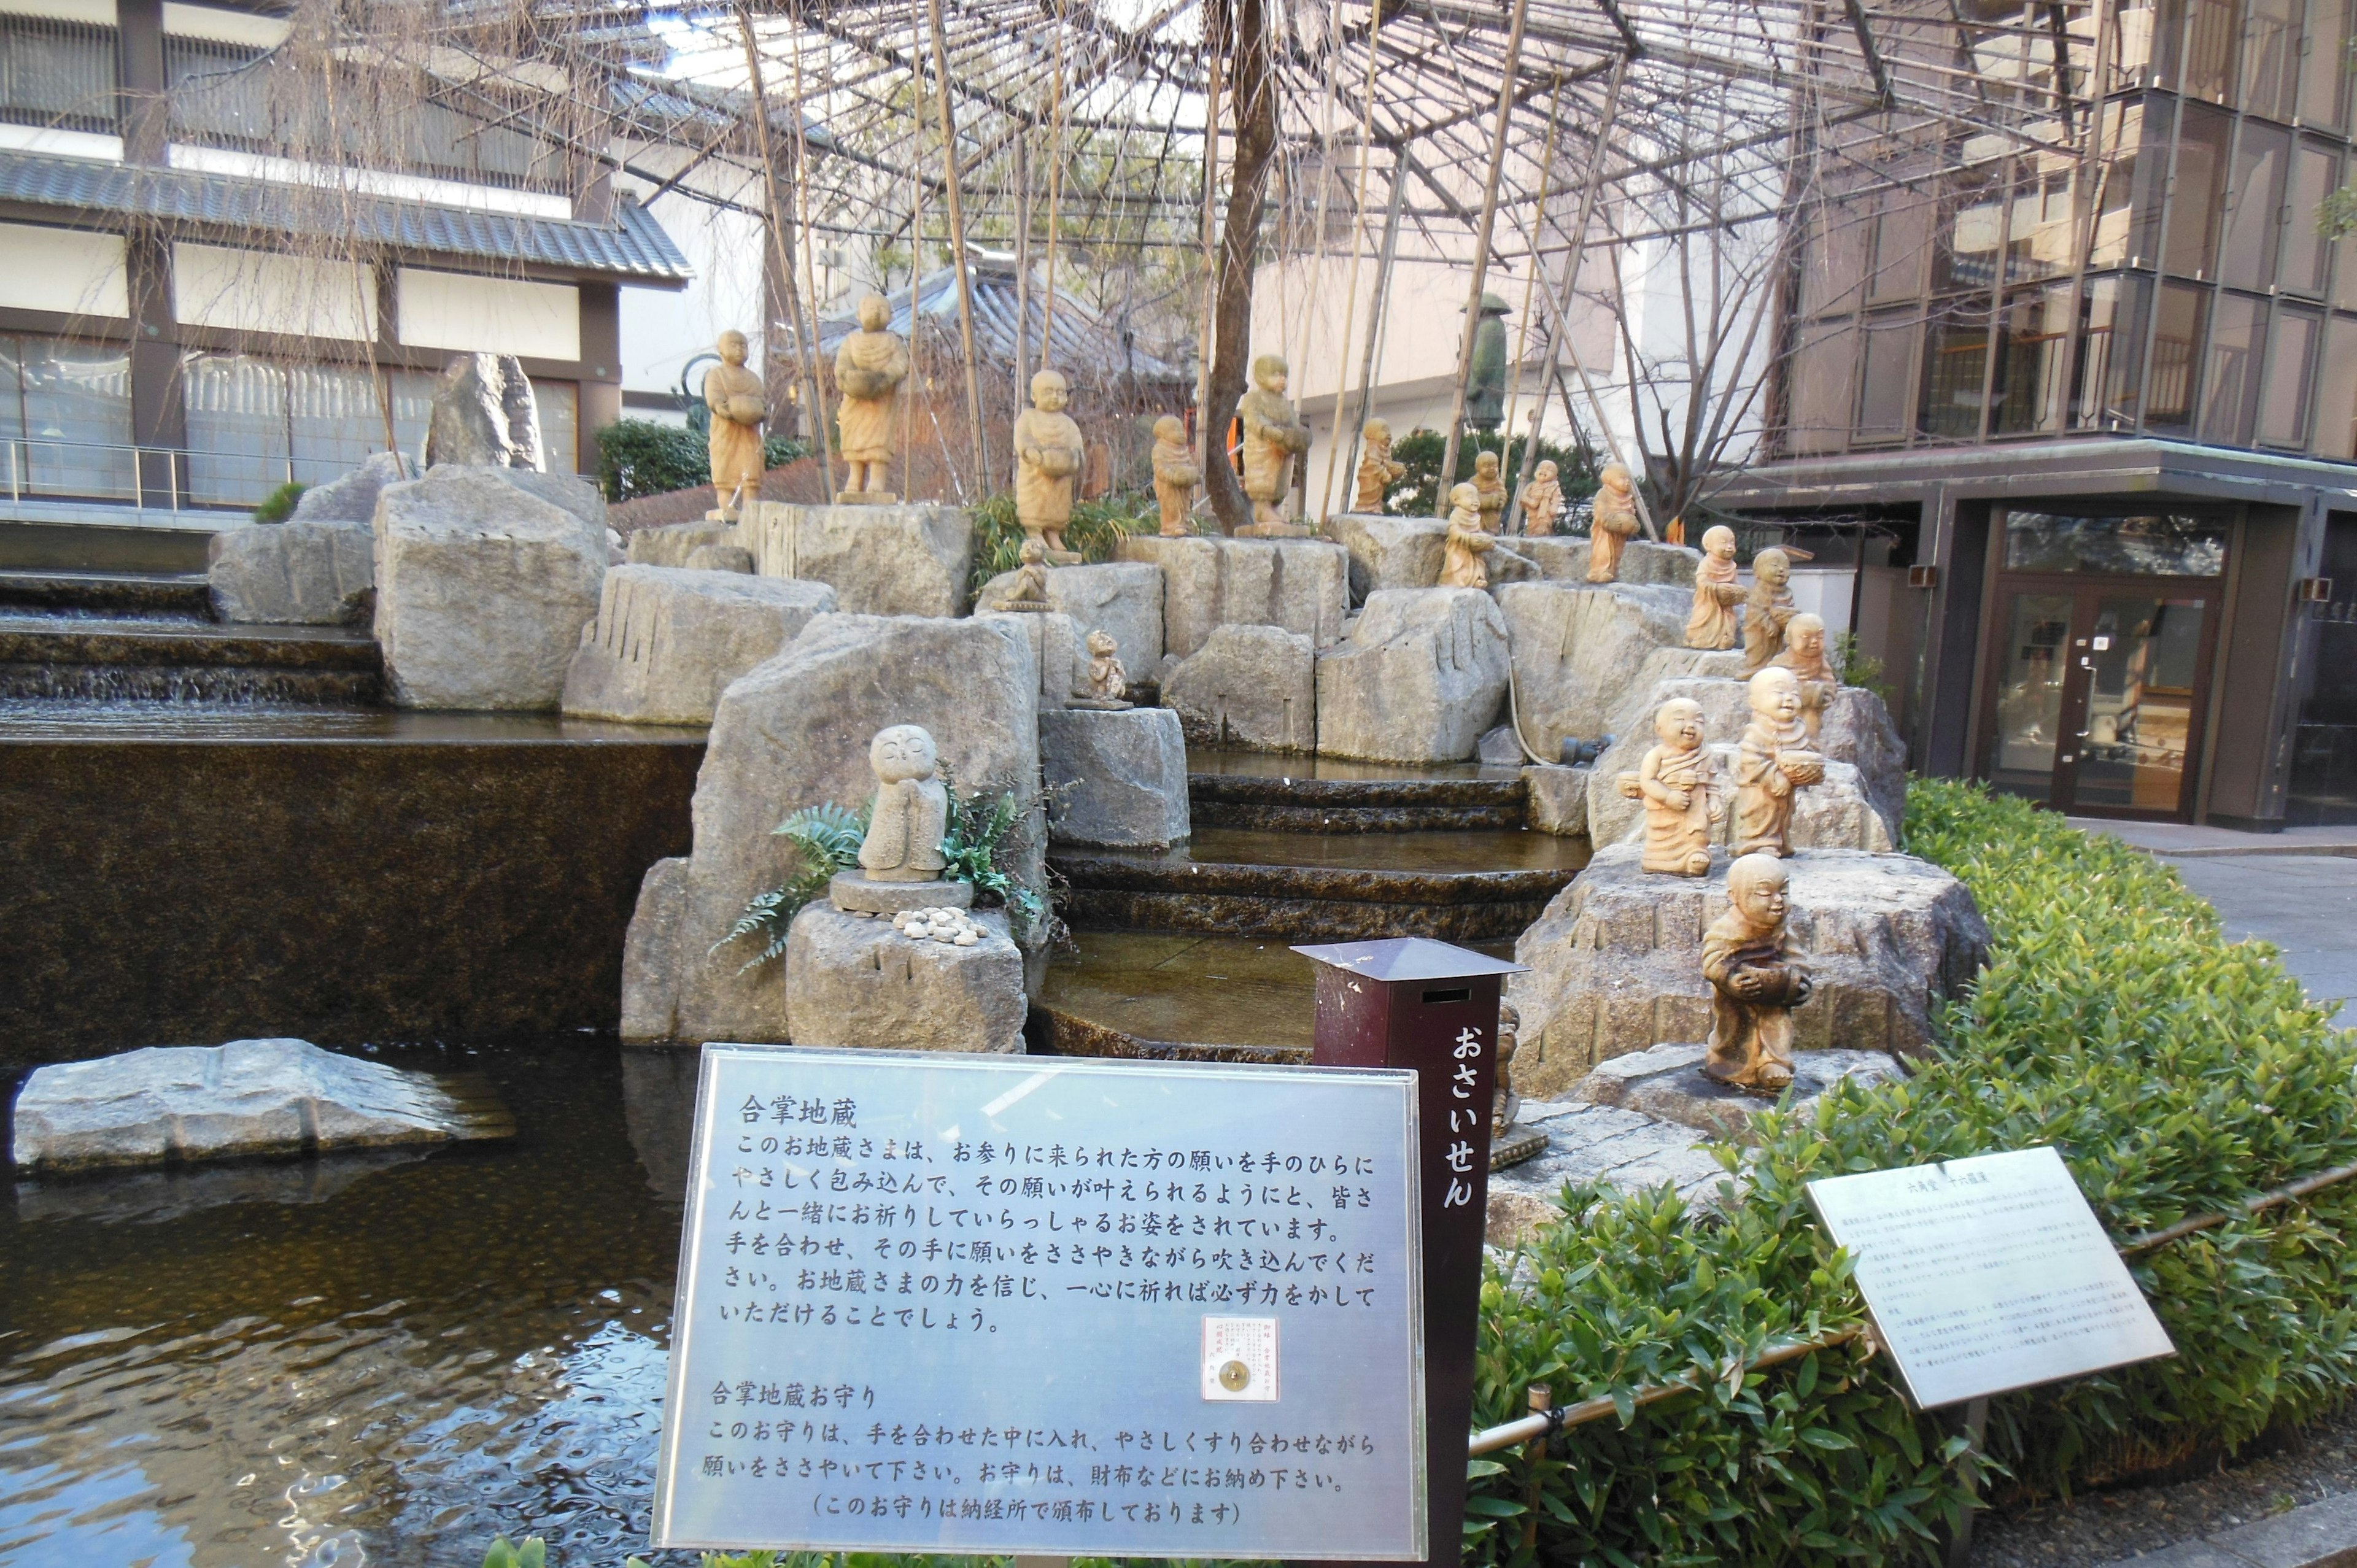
[1121,598]
[292,574]
[1249,686]
[483,586]
[670,543]
[668,639]
[246,1099]
[1581,653]
[794,733]
[1616,962]
[484,412]
[1857,730]
[854,981]
[880,559]
[1295,585]
[1667,1082]
[1115,779]
[1420,677]
[1562,558]
[1389,552]
[1058,654]
[1625,1150]
[350,497]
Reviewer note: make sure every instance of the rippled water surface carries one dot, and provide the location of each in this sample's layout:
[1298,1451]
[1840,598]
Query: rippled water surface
[382,1358]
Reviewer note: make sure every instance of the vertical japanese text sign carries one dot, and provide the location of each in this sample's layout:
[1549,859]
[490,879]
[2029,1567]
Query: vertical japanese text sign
[995,1305]
[1431,1008]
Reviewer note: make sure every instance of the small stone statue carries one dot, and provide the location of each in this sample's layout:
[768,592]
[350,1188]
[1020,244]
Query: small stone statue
[1028,593]
[1805,656]
[1756,977]
[735,398]
[1491,489]
[1175,475]
[1049,453]
[911,813]
[1716,593]
[1505,1105]
[1768,609]
[1273,433]
[1542,501]
[1612,525]
[1678,786]
[1773,761]
[869,370]
[1468,542]
[1377,472]
[1108,681]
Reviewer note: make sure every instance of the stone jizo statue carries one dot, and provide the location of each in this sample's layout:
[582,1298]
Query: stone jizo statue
[1468,542]
[1273,436]
[1377,472]
[1485,377]
[869,370]
[1049,453]
[1805,656]
[1679,788]
[1768,609]
[1028,592]
[1542,501]
[737,405]
[1612,525]
[1757,978]
[1716,593]
[1491,489]
[1108,681]
[901,860]
[1773,761]
[1176,476]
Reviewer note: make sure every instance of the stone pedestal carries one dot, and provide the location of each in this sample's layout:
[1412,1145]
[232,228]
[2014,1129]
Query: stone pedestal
[1058,651]
[1421,675]
[856,893]
[671,544]
[668,639]
[1295,585]
[1389,552]
[1249,686]
[880,559]
[1115,779]
[1562,558]
[1666,1082]
[856,981]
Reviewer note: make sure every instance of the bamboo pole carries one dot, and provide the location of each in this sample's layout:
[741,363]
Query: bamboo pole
[783,242]
[1358,248]
[1379,301]
[1530,289]
[1055,193]
[957,247]
[916,257]
[1204,437]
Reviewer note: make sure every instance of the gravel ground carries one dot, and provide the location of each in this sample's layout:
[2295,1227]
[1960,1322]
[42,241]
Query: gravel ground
[2104,1527]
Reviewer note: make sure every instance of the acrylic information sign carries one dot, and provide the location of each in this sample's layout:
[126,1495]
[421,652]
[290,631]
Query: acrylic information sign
[1008,1304]
[1988,1274]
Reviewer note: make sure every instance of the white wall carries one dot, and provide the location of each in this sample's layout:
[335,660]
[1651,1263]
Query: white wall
[469,313]
[66,270]
[251,291]
[661,331]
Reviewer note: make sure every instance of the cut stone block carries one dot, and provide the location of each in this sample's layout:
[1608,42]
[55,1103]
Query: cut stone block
[1594,1144]
[1115,779]
[1249,686]
[1421,676]
[1556,798]
[668,639]
[1120,599]
[853,981]
[794,732]
[1058,653]
[246,1099]
[1295,585]
[482,589]
[671,544]
[292,574]
[880,559]
[725,558]
[1616,962]
[1389,552]
[1562,558]
[1666,1081]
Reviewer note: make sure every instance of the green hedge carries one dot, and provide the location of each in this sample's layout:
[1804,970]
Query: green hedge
[2178,1074]
[641,458]
[1096,527]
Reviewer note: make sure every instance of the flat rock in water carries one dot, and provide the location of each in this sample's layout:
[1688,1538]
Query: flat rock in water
[1625,1150]
[1667,1082]
[249,1098]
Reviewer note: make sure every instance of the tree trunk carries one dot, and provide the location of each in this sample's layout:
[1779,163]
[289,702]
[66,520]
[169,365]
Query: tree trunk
[1254,96]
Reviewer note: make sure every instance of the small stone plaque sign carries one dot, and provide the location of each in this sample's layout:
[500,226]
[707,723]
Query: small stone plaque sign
[1007,1304]
[1988,1274]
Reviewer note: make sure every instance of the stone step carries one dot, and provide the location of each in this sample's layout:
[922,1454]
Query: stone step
[113,594]
[1462,886]
[1275,792]
[184,660]
[1173,996]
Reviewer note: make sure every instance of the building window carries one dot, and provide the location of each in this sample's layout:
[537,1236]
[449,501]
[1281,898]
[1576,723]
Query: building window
[2324,67]
[2291,366]
[2196,47]
[2039,234]
[2271,58]
[2254,208]
[1818,377]
[2230,381]
[2313,168]
[1886,375]
[219,93]
[2175,340]
[2111,355]
[58,74]
[1834,269]
[1901,229]
[255,423]
[2166,546]
[65,418]
[1955,365]
[2336,393]
[2033,349]
[2191,241]
[1971,228]
[560,424]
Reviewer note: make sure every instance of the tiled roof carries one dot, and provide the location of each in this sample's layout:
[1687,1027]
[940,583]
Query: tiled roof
[632,247]
[1085,344]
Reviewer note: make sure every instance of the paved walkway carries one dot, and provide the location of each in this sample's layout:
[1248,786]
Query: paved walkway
[2296,889]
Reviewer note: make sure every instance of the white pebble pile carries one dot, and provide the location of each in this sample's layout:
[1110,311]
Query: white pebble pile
[954,925]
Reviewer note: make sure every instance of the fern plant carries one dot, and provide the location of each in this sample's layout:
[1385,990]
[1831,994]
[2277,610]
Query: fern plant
[984,834]
[826,839]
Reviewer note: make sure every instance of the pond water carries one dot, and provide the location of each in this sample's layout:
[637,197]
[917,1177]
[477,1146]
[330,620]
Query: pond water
[376,1358]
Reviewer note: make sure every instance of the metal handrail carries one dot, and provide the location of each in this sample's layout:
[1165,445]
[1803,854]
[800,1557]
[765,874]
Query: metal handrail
[158,477]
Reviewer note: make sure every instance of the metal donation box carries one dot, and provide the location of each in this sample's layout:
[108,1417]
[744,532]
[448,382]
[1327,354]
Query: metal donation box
[1433,1008]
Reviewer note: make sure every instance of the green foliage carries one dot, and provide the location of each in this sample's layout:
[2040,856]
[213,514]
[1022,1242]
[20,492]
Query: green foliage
[1858,668]
[641,458]
[532,1553]
[279,504]
[826,839]
[1421,450]
[984,836]
[1096,527]
[2177,1074]
[2336,215]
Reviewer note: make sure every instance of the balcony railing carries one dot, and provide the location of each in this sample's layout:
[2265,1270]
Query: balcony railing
[162,479]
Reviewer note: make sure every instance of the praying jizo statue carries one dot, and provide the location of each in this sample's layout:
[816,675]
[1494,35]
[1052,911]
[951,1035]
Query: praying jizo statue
[1273,435]
[901,860]
[1678,786]
[1542,501]
[1468,542]
[1757,978]
[1805,656]
[1715,593]
[733,394]
[1175,475]
[1612,525]
[1049,453]
[1377,472]
[1768,609]
[869,370]
[1773,761]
